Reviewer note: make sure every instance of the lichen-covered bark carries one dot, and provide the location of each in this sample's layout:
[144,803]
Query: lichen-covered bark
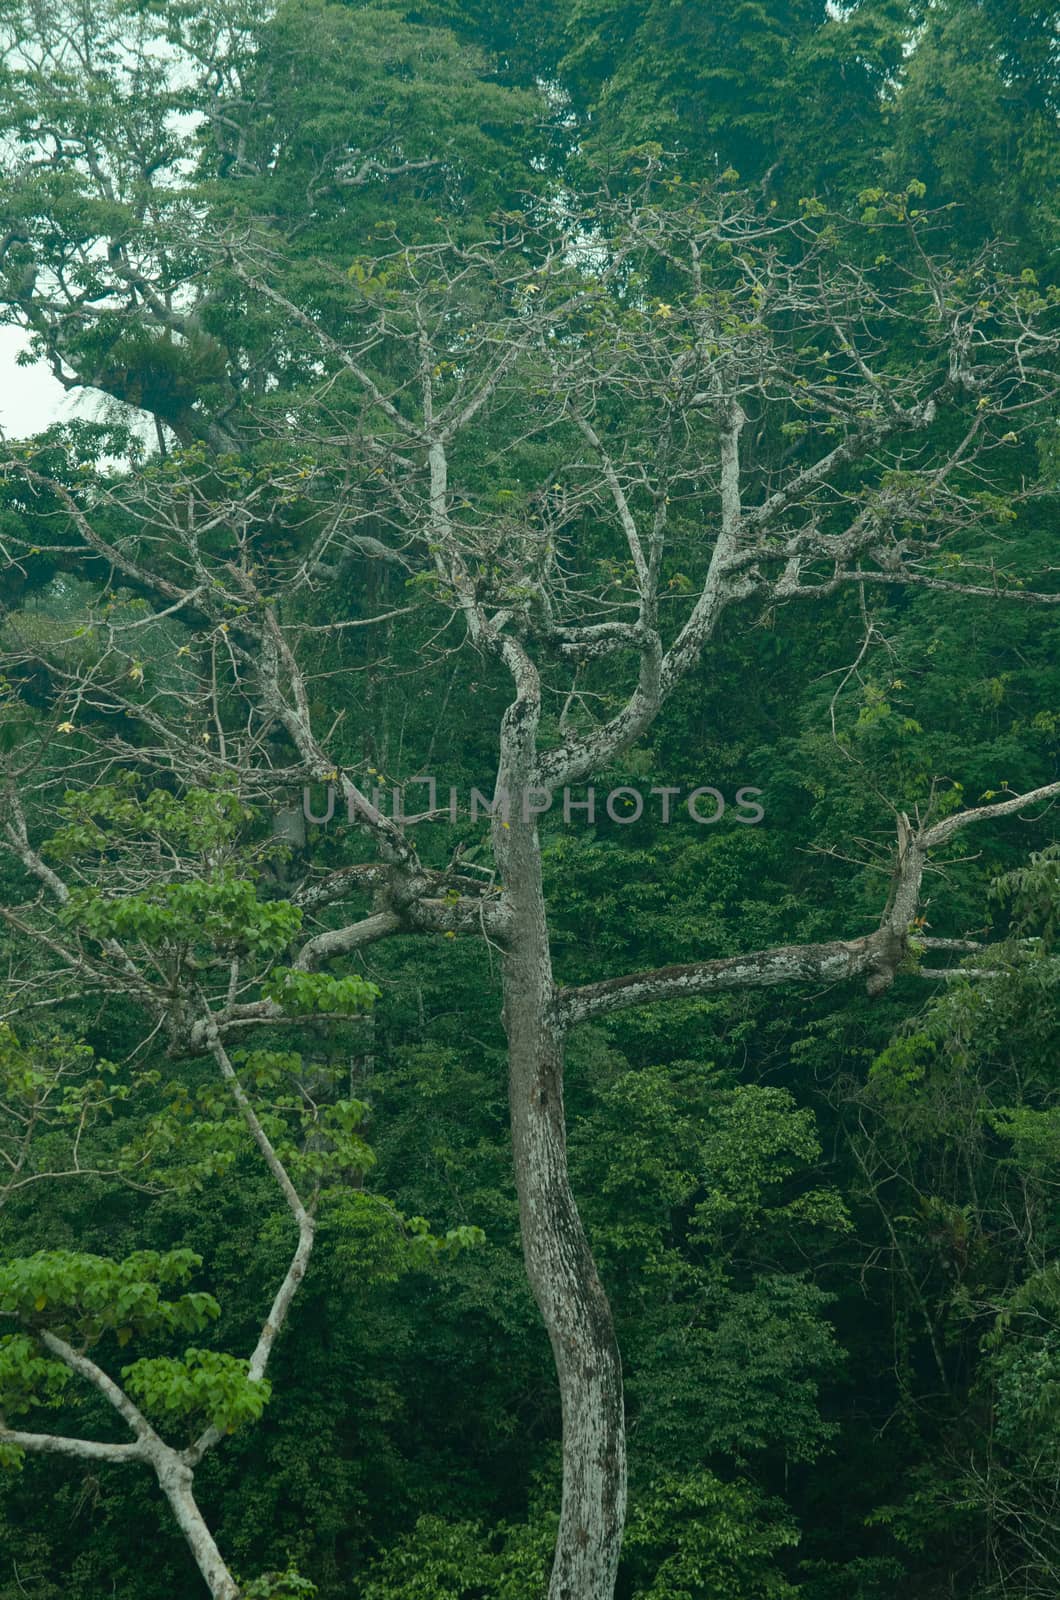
[559,1263]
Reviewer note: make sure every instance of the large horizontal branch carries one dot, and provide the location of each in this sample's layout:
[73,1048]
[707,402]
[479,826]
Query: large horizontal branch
[374,875]
[141,576]
[419,914]
[56,1444]
[876,955]
[831,962]
[599,639]
[916,580]
[341,941]
[940,831]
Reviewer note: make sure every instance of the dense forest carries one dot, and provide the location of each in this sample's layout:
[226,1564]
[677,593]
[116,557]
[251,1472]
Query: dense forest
[528,769]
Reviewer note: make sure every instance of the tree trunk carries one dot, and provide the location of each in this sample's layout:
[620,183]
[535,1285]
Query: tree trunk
[559,1264]
[175,1480]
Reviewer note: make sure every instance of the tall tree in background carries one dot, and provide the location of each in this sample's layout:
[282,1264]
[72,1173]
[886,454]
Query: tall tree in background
[132,126]
[976,120]
[790,94]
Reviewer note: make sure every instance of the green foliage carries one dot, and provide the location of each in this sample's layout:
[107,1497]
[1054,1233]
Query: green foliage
[201,1134]
[53,1092]
[287,1585]
[206,1386]
[85,1296]
[766,1355]
[827,1226]
[703,1188]
[758,1140]
[1033,893]
[976,119]
[753,87]
[27,1378]
[220,910]
[699,1538]
[303,993]
[1028,1392]
[201,820]
[425,1246]
[443,1560]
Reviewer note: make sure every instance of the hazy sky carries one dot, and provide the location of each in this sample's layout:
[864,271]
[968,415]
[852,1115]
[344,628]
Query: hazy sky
[30,398]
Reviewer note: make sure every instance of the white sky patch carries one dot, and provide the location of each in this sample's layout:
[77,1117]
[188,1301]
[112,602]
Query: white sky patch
[31,399]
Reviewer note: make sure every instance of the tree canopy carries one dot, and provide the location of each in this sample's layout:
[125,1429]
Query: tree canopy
[528,743]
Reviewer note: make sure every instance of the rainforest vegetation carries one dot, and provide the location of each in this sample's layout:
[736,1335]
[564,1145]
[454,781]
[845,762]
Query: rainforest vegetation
[529,695]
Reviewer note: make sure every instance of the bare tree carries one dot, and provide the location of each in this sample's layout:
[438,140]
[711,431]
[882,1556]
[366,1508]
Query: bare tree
[623,357]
